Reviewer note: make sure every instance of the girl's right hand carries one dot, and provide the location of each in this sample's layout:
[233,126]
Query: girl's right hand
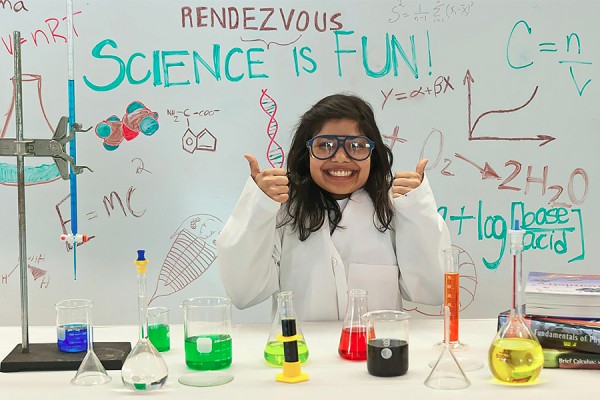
[272,181]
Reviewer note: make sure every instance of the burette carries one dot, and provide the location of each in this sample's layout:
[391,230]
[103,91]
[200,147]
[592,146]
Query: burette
[72,144]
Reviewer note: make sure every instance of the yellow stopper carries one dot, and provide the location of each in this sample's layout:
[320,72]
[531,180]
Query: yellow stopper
[141,266]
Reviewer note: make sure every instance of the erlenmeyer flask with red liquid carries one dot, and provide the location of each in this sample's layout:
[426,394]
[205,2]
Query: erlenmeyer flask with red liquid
[353,341]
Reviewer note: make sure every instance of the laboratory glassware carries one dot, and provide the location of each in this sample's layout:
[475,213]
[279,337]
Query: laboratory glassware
[208,342]
[452,301]
[74,317]
[159,331]
[207,331]
[289,337]
[515,355]
[387,342]
[274,354]
[353,340]
[72,327]
[144,369]
[447,372]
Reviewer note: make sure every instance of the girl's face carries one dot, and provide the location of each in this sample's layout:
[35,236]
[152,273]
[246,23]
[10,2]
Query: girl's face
[340,175]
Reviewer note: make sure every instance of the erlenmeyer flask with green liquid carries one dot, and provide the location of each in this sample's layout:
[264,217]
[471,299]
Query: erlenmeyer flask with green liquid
[515,356]
[274,348]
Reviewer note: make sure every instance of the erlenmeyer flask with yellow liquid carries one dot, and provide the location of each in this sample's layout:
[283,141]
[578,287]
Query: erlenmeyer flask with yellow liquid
[274,348]
[515,356]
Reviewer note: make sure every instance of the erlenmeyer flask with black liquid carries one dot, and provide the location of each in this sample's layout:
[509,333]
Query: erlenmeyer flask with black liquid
[274,349]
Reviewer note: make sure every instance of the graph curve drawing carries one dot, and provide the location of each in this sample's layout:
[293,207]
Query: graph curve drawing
[193,251]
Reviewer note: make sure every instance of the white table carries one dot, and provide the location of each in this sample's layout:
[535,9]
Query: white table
[330,376]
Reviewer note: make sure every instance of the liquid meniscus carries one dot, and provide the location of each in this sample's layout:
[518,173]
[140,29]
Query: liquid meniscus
[159,335]
[515,360]
[353,343]
[202,355]
[274,353]
[72,338]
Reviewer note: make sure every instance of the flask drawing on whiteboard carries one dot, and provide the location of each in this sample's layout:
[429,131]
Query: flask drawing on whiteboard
[35,122]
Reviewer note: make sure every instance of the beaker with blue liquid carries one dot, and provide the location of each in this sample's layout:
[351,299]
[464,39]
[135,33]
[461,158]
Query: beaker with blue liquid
[72,318]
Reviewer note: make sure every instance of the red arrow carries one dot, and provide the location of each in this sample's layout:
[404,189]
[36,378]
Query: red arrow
[487,172]
[468,80]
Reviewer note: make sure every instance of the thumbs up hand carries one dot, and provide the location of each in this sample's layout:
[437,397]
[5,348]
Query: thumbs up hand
[405,181]
[272,181]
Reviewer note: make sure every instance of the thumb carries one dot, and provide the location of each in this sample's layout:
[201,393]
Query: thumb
[421,168]
[253,164]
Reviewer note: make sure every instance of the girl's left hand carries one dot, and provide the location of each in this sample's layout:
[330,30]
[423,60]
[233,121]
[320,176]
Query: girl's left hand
[405,181]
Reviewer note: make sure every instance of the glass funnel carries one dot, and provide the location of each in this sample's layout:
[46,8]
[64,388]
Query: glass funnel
[274,349]
[91,371]
[353,340]
[447,373]
[515,356]
[144,369]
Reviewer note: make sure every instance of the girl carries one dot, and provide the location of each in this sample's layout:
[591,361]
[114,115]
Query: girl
[337,219]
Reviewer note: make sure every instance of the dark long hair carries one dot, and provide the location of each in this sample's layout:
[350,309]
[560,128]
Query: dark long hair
[308,204]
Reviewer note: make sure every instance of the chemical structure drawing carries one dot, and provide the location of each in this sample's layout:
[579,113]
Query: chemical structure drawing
[137,119]
[34,269]
[194,139]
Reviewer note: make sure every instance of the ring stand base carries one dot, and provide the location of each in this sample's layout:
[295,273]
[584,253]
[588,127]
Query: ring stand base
[46,357]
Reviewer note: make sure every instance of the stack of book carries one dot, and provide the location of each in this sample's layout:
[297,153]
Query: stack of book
[565,295]
[566,342]
[563,312]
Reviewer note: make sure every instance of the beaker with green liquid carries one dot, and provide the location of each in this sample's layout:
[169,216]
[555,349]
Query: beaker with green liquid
[515,356]
[159,331]
[274,348]
[207,332]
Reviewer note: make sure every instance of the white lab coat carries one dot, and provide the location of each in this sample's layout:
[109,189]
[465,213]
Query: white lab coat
[257,260]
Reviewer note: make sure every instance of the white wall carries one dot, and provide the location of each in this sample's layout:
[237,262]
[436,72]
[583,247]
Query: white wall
[529,76]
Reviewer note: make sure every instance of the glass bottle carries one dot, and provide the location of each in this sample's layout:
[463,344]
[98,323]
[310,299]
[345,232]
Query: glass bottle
[515,356]
[274,349]
[353,341]
[144,368]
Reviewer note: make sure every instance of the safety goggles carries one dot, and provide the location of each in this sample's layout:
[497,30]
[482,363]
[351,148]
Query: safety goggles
[323,147]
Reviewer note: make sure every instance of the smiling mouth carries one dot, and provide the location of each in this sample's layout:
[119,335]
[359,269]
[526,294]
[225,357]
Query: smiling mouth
[339,173]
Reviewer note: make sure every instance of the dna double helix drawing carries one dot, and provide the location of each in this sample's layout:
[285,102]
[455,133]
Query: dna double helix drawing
[275,154]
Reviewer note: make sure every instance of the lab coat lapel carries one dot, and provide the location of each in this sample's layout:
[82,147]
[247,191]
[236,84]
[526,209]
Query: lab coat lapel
[341,282]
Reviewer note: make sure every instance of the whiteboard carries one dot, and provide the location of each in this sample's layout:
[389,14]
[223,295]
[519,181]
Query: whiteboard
[500,96]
